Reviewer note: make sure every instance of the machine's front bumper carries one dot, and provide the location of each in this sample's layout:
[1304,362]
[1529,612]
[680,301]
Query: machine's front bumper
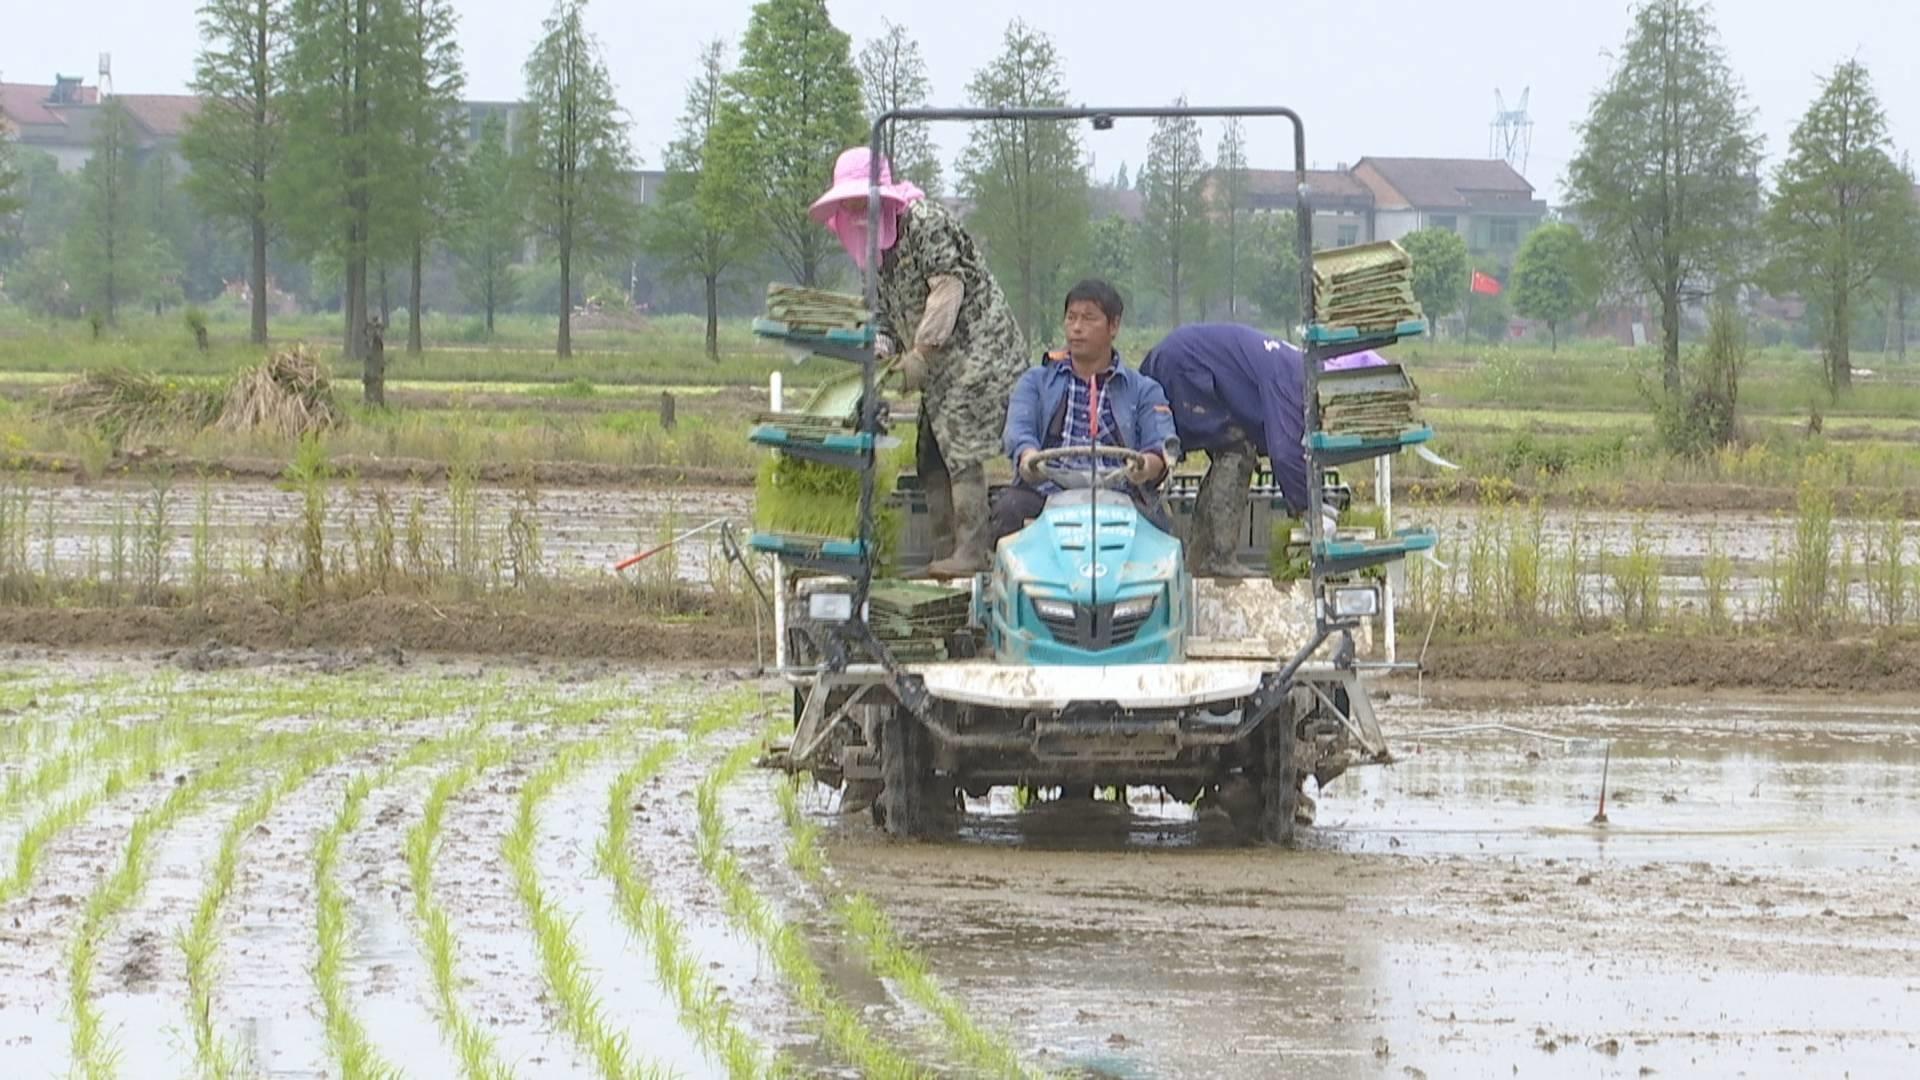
[1186,685]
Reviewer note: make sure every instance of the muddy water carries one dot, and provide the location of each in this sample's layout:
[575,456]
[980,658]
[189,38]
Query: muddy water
[1681,543]
[583,531]
[1746,908]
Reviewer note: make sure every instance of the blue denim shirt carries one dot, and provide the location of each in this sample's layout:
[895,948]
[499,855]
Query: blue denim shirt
[1140,409]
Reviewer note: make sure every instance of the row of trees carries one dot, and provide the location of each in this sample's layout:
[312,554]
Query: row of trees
[339,127]
[118,234]
[1668,183]
[333,134]
[755,144]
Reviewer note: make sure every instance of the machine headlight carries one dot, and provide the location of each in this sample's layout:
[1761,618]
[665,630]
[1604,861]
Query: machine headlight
[830,607]
[1356,602]
[1053,609]
[1137,608]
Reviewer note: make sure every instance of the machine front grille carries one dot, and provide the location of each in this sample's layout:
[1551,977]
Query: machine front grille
[1094,627]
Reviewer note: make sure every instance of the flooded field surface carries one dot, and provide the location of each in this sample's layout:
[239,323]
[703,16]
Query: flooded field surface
[442,870]
[1746,910]
[583,532]
[116,529]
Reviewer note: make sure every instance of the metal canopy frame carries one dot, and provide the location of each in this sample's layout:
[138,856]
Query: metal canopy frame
[1273,690]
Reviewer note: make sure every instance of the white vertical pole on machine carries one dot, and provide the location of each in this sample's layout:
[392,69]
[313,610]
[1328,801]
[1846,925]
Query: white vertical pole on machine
[779,565]
[1383,494]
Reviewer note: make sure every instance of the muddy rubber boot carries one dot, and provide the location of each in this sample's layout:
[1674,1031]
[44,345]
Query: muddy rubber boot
[972,527]
[1220,517]
[938,484]
[939,488]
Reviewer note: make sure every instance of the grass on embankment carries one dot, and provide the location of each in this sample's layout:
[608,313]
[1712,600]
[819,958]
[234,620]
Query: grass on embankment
[666,351]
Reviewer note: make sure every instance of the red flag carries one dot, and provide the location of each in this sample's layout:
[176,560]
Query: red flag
[1485,284]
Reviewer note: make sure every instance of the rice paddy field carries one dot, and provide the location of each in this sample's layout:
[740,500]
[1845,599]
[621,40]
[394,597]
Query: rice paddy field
[351,755]
[441,872]
[341,868]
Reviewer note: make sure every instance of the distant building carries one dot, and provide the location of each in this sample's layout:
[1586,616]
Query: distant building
[1342,206]
[1486,202]
[59,119]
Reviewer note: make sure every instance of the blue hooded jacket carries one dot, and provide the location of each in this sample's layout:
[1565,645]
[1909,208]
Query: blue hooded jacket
[1230,384]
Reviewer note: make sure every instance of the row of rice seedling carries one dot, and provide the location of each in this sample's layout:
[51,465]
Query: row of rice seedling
[697,997]
[479,1058]
[347,1040]
[213,1058]
[88,738]
[891,959]
[92,1053]
[341,541]
[561,961]
[140,751]
[780,941]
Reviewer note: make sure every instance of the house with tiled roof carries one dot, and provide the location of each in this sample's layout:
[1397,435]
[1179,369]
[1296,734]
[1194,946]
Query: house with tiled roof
[1487,202]
[59,119]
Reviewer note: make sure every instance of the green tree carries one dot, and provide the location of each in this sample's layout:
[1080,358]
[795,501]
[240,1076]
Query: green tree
[343,183]
[39,283]
[1552,277]
[701,230]
[433,141]
[12,198]
[795,105]
[1274,265]
[893,75]
[488,223]
[1844,213]
[576,160]
[235,143]
[1026,178]
[109,246]
[1230,172]
[49,202]
[1111,245]
[1664,175]
[173,233]
[1174,203]
[1441,271]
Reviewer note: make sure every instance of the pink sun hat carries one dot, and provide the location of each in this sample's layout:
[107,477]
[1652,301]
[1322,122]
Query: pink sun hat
[850,176]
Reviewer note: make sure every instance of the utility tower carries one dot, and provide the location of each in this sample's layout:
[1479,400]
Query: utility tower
[1510,136]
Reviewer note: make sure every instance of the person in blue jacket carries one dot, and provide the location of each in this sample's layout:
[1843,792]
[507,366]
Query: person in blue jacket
[1236,393]
[1085,395]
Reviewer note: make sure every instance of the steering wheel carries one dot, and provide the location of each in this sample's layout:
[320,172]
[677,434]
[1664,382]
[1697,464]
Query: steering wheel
[1044,465]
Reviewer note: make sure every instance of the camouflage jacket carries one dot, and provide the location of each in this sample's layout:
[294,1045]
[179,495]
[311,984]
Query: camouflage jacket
[970,378]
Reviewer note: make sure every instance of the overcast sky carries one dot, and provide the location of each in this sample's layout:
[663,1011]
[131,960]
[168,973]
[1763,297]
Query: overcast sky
[1382,77]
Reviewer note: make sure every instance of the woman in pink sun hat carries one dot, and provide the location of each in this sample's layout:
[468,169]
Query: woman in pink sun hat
[964,352]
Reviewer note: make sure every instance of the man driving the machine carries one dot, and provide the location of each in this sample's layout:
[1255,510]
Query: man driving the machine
[1085,395]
